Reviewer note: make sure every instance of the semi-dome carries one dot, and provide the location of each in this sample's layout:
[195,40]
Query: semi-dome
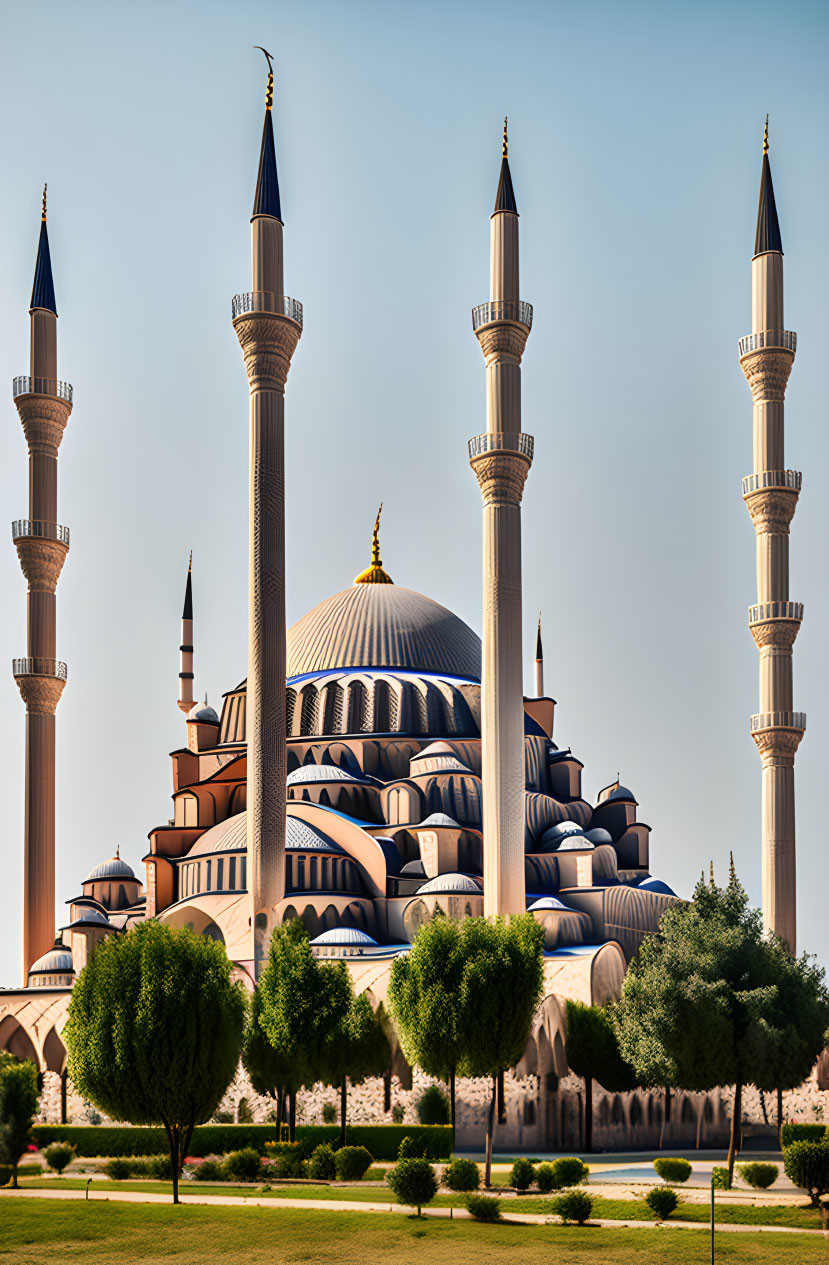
[446,884]
[375,626]
[58,961]
[325,773]
[345,936]
[113,868]
[203,713]
[547,902]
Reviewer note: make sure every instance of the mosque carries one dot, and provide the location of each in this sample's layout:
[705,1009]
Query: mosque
[380,762]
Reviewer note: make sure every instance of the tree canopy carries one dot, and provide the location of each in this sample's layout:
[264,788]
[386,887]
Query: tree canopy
[356,1045]
[593,1053]
[154,1030]
[18,1106]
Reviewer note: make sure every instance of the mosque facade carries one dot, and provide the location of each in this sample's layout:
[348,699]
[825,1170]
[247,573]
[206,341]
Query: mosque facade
[380,762]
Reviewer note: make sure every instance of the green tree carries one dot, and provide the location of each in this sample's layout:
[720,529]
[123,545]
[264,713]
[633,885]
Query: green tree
[704,1002]
[355,1045]
[593,1053]
[500,988]
[269,1071]
[18,1107]
[154,1031]
[425,1000]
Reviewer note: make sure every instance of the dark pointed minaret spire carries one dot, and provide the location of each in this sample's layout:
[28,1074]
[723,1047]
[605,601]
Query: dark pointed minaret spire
[185,676]
[267,201]
[539,662]
[43,290]
[767,236]
[505,197]
[187,613]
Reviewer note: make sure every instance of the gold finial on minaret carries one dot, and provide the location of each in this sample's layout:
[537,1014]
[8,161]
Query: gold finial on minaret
[190,563]
[375,573]
[732,873]
[43,211]
[766,137]
[269,89]
[711,880]
[505,148]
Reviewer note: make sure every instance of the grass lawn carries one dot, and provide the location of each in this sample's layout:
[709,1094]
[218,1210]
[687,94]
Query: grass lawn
[801,1218]
[41,1232]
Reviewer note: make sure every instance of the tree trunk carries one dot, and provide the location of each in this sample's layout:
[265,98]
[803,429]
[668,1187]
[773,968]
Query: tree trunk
[387,1091]
[452,1103]
[292,1115]
[174,1158]
[699,1121]
[502,1101]
[343,1108]
[490,1127]
[64,1080]
[736,1126]
[14,1177]
[780,1118]
[666,1116]
[280,1111]
[588,1113]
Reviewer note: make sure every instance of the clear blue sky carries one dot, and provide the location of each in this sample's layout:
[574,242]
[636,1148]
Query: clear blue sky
[635,148]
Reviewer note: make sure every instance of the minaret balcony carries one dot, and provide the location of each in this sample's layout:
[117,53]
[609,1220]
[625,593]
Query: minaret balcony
[267,301]
[520,443]
[24,385]
[772,480]
[39,667]
[771,339]
[514,311]
[32,529]
[765,612]
[778,720]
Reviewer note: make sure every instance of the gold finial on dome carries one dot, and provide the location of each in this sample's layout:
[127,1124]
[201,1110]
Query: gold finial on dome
[766,137]
[43,210]
[375,573]
[505,142]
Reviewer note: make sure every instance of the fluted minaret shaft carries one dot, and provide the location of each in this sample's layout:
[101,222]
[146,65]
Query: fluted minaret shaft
[501,459]
[268,326]
[44,405]
[771,493]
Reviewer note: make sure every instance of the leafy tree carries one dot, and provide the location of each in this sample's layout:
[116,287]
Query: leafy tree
[705,1002]
[18,1107]
[154,1031]
[413,1181]
[500,988]
[269,1072]
[593,1053]
[355,1044]
[425,1000]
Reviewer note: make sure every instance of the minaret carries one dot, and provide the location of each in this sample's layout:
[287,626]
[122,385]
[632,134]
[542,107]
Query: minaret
[268,326]
[501,459]
[185,676]
[771,492]
[539,663]
[44,405]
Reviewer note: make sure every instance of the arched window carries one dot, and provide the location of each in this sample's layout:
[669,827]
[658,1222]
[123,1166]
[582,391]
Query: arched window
[356,706]
[308,719]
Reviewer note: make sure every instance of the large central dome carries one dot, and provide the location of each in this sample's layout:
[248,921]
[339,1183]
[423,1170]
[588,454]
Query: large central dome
[375,626]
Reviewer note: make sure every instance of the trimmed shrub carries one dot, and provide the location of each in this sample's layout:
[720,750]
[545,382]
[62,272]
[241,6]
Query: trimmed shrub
[807,1166]
[760,1176]
[411,1148]
[59,1156]
[287,1158]
[545,1175]
[322,1166]
[209,1170]
[433,1106]
[522,1174]
[662,1201]
[353,1162]
[461,1175]
[413,1182]
[575,1206]
[802,1133]
[483,1207]
[719,1178]
[672,1169]
[329,1113]
[118,1170]
[160,1168]
[569,1171]
[244,1165]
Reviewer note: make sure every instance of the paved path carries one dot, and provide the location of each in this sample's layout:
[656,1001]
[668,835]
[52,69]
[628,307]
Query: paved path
[345,1205]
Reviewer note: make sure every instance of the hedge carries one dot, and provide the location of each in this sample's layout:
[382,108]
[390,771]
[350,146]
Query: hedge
[381,1140]
[803,1133]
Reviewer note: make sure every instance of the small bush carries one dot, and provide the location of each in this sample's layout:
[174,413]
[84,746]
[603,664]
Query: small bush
[522,1174]
[433,1106]
[807,1166]
[160,1168]
[329,1113]
[118,1170]
[398,1111]
[59,1155]
[662,1201]
[353,1162]
[288,1158]
[461,1175]
[210,1169]
[575,1206]
[760,1176]
[719,1178]
[413,1181]
[322,1164]
[412,1148]
[223,1117]
[802,1133]
[546,1178]
[569,1171]
[244,1165]
[483,1207]
[672,1169]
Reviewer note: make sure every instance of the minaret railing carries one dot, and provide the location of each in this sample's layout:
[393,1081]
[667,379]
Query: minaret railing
[763,479]
[778,720]
[25,385]
[515,310]
[762,612]
[499,442]
[768,338]
[266,301]
[39,667]
[27,527]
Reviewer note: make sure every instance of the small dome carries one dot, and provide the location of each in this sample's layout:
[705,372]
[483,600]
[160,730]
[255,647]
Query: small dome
[448,884]
[58,961]
[413,869]
[113,868]
[90,918]
[437,820]
[344,936]
[324,773]
[598,836]
[546,902]
[616,792]
[302,837]
[575,843]
[657,886]
[555,834]
[203,713]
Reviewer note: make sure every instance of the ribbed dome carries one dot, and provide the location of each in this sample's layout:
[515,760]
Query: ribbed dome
[58,961]
[375,626]
[114,868]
